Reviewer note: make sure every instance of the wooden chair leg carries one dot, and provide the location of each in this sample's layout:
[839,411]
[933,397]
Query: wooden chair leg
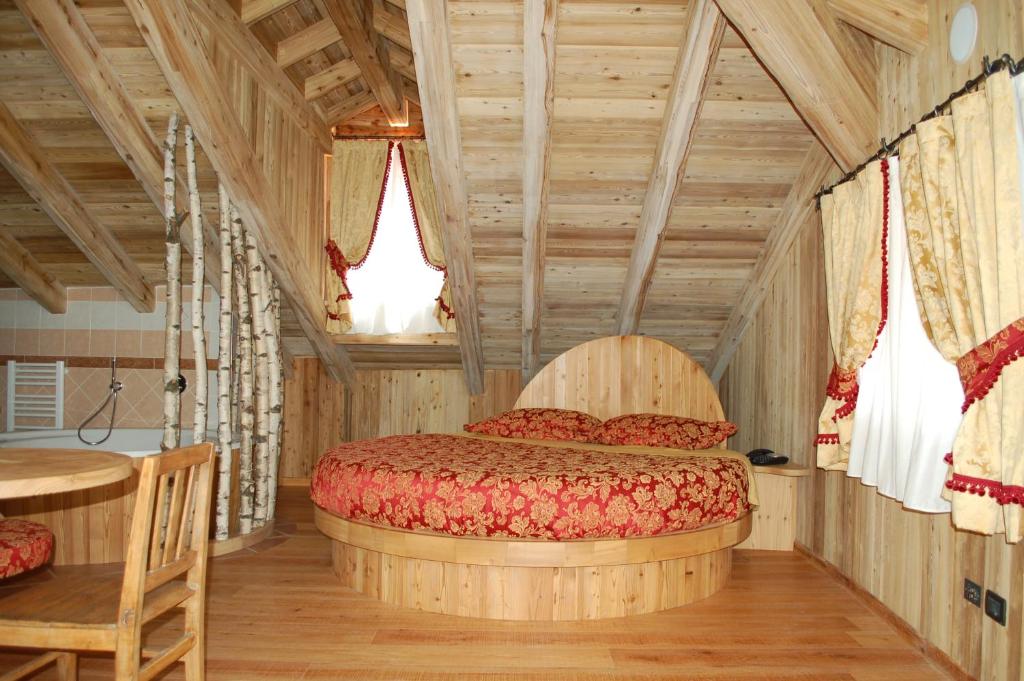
[195,659]
[67,666]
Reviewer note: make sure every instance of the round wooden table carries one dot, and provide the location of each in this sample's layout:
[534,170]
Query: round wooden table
[28,472]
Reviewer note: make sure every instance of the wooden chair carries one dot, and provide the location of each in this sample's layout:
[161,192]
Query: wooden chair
[165,568]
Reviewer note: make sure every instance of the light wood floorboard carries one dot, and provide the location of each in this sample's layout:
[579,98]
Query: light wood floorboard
[277,612]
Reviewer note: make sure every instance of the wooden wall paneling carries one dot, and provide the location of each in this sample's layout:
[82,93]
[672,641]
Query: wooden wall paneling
[900,23]
[176,41]
[914,563]
[320,413]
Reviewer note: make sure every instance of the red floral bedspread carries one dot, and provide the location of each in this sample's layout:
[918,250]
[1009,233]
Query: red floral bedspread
[495,488]
[24,546]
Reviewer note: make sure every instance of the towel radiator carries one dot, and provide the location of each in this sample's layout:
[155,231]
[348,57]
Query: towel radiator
[35,393]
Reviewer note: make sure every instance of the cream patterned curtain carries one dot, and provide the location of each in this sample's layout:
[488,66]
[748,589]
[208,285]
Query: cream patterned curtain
[962,198]
[358,175]
[427,218]
[853,234]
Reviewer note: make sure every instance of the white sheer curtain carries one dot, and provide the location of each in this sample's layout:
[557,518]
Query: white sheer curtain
[908,411]
[394,291]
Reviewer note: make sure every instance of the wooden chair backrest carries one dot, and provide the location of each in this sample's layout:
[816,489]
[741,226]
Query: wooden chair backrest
[169,538]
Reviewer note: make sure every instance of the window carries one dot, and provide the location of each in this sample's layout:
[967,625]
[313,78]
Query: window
[394,290]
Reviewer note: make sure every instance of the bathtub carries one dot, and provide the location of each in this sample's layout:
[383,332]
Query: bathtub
[131,441]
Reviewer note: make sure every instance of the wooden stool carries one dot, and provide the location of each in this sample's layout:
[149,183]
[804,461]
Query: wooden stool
[24,546]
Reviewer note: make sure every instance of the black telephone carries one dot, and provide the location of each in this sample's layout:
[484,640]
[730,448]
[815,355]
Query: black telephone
[766,457]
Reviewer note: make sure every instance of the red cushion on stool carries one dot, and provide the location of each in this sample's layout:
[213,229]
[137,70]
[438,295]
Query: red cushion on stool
[24,546]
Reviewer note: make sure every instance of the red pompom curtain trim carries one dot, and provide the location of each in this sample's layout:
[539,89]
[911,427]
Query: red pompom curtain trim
[981,367]
[1003,494]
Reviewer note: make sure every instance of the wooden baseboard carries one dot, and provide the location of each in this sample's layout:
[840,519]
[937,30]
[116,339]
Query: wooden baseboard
[907,632]
[222,547]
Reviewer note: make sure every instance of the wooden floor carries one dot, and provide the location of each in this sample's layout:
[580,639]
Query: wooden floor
[277,612]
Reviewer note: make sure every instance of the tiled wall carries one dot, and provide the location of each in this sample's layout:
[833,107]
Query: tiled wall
[97,326]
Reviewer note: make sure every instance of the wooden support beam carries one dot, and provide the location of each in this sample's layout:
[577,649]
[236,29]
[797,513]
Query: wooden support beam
[428,28]
[173,37]
[354,19]
[65,33]
[900,23]
[705,26]
[227,31]
[306,42]
[797,209]
[330,79]
[351,107]
[31,167]
[31,276]
[391,25]
[830,82]
[402,61]
[251,11]
[539,25]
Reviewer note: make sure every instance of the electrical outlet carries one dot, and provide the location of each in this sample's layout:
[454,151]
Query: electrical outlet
[995,606]
[972,592]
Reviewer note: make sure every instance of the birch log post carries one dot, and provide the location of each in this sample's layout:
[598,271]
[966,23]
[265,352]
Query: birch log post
[223,522]
[275,374]
[200,385]
[261,449]
[172,265]
[246,416]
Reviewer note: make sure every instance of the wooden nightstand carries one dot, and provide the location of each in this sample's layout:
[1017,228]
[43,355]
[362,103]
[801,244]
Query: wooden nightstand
[775,518]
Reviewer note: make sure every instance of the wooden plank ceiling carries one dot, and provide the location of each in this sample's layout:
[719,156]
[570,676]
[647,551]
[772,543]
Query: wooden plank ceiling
[613,76]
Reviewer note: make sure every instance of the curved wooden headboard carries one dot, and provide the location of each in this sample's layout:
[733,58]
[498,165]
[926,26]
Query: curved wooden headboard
[619,375]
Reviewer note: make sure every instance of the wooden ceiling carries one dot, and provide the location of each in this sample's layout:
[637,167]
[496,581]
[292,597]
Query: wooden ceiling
[663,156]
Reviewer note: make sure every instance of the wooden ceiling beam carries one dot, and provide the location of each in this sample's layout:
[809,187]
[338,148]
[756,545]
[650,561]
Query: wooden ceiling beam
[31,167]
[25,271]
[391,25]
[705,26]
[174,39]
[428,29]
[540,19]
[330,79]
[797,209]
[352,107]
[306,42]
[228,31]
[354,20]
[830,82]
[903,24]
[65,33]
[402,61]
[251,11]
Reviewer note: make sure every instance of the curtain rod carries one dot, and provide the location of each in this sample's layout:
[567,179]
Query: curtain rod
[888,148]
[386,138]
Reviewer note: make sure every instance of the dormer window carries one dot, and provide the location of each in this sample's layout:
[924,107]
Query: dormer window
[387,270]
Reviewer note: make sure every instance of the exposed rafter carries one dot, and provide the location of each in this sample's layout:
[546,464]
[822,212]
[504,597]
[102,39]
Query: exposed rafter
[354,20]
[705,26]
[428,28]
[796,211]
[352,107]
[173,37]
[540,19]
[306,42]
[392,26]
[230,33]
[31,276]
[830,82]
[251,11]
[330,79]
[900,23]
[32,168]
[65,33]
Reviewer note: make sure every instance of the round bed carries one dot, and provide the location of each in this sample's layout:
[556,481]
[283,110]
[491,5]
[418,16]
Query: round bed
[547,579]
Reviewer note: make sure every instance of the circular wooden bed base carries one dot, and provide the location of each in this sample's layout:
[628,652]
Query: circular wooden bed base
[531,579]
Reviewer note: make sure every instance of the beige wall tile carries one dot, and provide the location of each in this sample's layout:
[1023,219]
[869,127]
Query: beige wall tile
[128,343]
[152,344]
[101,343]
[104,293]
[6,341]
[51,342]
[79,293]
[76,342]
[26,342]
